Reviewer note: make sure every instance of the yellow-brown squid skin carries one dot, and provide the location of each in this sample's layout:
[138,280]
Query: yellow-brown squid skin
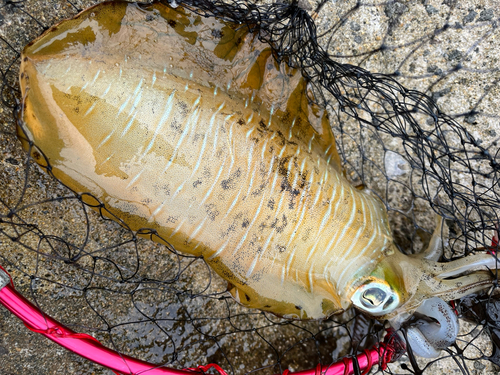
[186,125]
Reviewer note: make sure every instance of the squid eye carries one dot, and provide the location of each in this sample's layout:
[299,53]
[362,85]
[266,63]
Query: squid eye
[375,298]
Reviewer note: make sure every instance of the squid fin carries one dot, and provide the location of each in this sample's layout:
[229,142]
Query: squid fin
[286,94]
[309,121]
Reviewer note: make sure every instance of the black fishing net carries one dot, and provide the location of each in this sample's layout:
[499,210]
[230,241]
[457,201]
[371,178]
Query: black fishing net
[411,87]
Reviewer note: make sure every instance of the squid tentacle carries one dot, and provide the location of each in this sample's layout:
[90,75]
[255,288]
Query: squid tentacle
[431,325]
[467,264]
[420,345]
[426,338]
[436,245]
[454,268]
[462,286]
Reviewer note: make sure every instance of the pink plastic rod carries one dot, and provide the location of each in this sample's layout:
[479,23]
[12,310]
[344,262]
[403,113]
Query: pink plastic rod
[91,349]
[81,344]
[365,361]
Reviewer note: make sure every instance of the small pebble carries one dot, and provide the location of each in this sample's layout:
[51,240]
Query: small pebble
[478,365]
[455,55]
[486,15]
[470,17]
[355,26]
[431,10]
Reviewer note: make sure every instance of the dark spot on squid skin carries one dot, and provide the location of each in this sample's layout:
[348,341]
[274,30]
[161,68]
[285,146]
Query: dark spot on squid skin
[281,248]
[196,183]
[162,189]
[182,108]
[198,136]
[245,223]
[255,140]
[293,193]
[262,227]
[280,228]
[270,204]
[230,183]
[211,211]
[207,173]
[150,17]
[298,307]
[228,231]
[282,169]
[303,179]
[247,297]
[22,75]
[282,138]
[172,23]
[267,306]
[285,186]
[262,124]
[174,124]
[26,58]
[36,155]
[241,122]
[287,118]
[172,219]
[260,189]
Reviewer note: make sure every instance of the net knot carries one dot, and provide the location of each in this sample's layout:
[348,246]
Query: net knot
[391,349]
[205,368]
[60,332]
[347,361]
[370,362]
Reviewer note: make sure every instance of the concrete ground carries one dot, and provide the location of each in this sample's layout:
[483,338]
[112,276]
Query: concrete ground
[214,329]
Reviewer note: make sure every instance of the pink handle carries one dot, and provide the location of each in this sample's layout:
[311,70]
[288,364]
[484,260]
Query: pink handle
[90,348]
[365,360]
[81,344]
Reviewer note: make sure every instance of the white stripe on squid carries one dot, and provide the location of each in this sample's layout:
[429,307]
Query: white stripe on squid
[192,119]
[163,119]
[202,151]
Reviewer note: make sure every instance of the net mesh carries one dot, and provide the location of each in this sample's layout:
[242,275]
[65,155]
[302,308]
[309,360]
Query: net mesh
[421,133]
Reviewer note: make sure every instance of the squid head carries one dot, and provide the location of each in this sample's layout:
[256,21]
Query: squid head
[400,283]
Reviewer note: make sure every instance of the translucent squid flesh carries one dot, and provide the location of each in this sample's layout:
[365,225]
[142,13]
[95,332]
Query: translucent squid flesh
[425,337]
[189,127]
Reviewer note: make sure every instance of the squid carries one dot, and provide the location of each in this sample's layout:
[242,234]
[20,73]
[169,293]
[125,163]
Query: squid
[187,126]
